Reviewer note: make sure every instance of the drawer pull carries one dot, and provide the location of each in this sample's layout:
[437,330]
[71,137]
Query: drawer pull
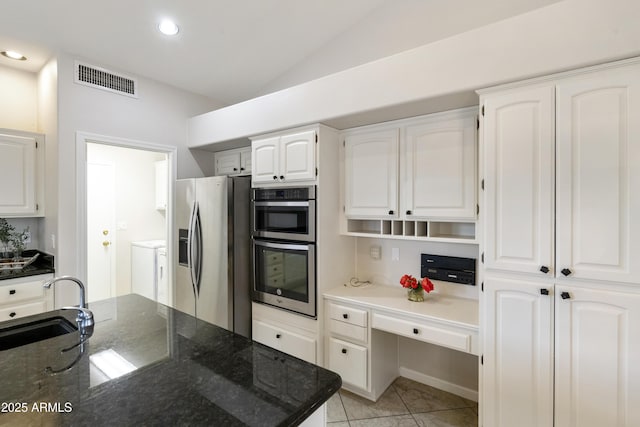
[345,315]
[416,331]
[344,351]
[12,292]
[12,314]
[278,336]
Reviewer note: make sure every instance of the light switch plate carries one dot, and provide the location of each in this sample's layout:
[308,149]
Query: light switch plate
[395,254]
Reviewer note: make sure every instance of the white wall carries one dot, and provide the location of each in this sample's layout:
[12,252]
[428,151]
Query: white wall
[397,26]
[565,35]
[18,102]
[158,116]
[135,203]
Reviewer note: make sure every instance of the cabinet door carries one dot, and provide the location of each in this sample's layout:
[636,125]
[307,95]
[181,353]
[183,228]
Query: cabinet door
[518,180]
[227,163]
[297,157]
[597,353]
[245,161]
[371,174]
[350,361]
[440,166]
[265,154]
[18,175]
[598,176]
[517,375]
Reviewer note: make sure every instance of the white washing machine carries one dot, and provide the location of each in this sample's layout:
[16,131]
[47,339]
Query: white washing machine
[144,268]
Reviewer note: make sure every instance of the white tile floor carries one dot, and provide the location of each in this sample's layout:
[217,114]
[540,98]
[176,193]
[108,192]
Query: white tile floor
[405,403]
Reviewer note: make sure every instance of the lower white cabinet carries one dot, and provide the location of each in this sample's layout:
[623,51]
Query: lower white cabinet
[349,361]
[24,296]
[280,338]
[585,338]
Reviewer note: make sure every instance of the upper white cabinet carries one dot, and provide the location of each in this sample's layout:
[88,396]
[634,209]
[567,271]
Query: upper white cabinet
[22,174]
[371,174]
[595,153]
[440,167]
[413,178]
[284,158]
[519,179]
[233,162]
[598,176]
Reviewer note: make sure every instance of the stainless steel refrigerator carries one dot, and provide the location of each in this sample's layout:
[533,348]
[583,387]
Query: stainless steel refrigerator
[214,261]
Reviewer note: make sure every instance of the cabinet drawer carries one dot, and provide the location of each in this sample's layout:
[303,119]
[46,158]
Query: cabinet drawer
[286,341]
[23,310]
[349,315]
[349,361]
[423,332]
[354,332]
[21,292]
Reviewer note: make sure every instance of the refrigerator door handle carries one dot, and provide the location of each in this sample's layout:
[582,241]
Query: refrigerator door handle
[190,251]
[198,250]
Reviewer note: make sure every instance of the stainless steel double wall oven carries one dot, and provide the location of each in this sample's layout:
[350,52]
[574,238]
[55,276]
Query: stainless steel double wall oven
[284,258]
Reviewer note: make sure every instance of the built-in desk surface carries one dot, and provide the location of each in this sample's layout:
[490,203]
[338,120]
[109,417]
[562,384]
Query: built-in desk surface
[389,305]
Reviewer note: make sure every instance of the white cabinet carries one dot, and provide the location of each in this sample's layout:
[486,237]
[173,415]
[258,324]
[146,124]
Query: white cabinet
[517,372]
[371,174]
[349,361]
[284,158]
[416,176]
[233,162]
[598,175]
[22,174]
[597,374]
[440,167]
[562,239]
[24,296]
[519,179]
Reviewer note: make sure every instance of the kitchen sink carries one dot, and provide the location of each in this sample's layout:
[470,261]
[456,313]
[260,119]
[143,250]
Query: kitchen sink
[34,331]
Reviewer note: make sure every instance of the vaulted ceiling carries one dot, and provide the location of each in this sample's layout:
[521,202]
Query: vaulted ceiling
[234,50]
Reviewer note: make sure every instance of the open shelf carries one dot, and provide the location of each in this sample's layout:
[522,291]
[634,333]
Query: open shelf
[437,231]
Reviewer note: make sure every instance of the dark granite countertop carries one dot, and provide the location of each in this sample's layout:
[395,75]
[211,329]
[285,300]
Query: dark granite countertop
[42,265]
[183,371]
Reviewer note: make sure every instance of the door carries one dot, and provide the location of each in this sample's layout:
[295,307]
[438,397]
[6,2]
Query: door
[100,231]
[266,157]
[517,373]
[297,156]
[371,174]
[597,352]
[518,181]
[440,165]
[598,181]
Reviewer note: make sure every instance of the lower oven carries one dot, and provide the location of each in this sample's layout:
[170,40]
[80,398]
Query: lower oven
[285,275]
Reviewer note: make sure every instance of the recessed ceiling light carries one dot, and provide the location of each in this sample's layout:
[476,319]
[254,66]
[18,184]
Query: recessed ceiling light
[168,27]
[13,55]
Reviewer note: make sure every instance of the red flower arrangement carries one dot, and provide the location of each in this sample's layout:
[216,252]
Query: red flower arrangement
[410,282]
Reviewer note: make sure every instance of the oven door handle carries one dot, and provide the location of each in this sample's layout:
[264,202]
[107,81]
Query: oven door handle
[294,204]
[285,246]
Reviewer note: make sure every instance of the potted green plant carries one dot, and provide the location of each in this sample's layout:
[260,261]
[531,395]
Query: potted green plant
[17,241]
[6,230]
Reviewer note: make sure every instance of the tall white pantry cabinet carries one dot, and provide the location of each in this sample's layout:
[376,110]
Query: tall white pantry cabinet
[560,204]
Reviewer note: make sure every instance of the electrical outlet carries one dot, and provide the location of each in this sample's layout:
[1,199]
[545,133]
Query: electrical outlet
[395,254]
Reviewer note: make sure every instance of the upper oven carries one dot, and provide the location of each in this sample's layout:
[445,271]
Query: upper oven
[284,213]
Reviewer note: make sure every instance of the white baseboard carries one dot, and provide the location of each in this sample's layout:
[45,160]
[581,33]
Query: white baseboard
[456,389]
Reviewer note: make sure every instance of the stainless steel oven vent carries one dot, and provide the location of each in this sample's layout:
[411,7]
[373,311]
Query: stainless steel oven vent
[100,78]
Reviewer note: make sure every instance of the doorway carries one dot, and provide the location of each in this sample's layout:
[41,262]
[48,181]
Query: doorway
[124,199]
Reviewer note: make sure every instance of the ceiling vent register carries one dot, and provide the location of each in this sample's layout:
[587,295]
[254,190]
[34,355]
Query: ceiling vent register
[100,78]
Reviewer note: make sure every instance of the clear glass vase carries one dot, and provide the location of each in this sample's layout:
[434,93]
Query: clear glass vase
[416,294]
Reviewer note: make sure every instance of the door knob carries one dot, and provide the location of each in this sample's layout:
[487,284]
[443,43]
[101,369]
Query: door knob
[106,243]
[105,232]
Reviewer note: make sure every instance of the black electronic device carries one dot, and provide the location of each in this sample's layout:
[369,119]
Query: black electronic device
[448,268]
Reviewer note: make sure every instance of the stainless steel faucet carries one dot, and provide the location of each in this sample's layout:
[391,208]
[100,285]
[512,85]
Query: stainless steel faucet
[85,316]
